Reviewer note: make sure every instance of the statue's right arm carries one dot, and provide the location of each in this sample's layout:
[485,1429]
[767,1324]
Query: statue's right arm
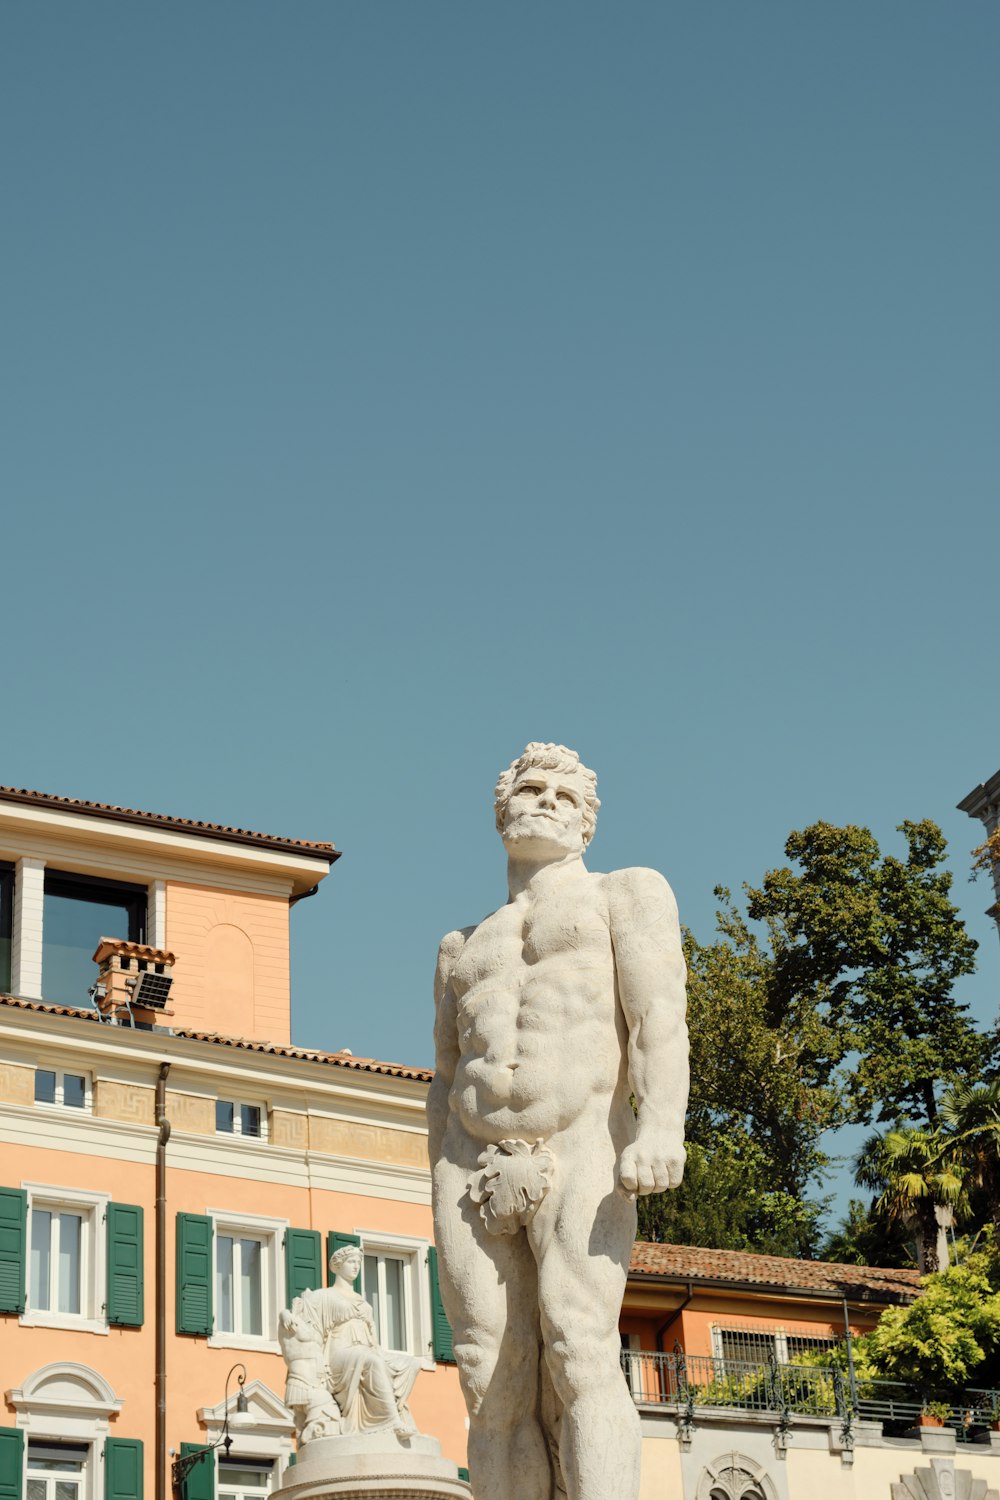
[446,1051]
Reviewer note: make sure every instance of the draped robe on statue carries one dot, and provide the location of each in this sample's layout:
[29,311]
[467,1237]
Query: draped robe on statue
[370,1384]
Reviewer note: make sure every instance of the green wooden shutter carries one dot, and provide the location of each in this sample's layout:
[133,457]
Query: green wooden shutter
[125,1265]
[13,1237]
[11,1463]
[463,1473]
[335,1242]
[199,1481]
[444,1351]
[302,1268]
[194,1274]
[122,1469]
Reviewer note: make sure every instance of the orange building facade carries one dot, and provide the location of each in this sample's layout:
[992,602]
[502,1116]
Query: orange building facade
[172,1173]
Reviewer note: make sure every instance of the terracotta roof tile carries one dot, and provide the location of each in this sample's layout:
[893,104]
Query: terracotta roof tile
[246,1044]
[338,1059]
[222,831]
[690,1263]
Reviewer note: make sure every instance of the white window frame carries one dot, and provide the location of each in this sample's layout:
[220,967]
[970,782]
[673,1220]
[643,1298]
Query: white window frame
[719,1329]
[251,1460]
[236,1134]
[59,1102]
[92,1208]
[783,1335]
[631,1344]
[71,1403]
[271,1233]
[779,1338]
[86,1469]
[265,1431]
[416,1287]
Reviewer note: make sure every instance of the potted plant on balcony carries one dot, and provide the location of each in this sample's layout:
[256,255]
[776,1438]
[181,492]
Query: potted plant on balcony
[934,1414]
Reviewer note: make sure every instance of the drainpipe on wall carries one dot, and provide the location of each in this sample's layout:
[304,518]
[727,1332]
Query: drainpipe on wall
[163,1125]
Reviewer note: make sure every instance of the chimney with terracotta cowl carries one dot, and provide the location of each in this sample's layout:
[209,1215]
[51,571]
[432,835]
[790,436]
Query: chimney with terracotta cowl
[133,982]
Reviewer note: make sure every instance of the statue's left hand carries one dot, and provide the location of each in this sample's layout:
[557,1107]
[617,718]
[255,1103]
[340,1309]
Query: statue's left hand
[653,1163]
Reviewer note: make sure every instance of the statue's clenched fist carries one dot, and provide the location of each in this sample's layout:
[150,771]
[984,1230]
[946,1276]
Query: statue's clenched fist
[652,1164]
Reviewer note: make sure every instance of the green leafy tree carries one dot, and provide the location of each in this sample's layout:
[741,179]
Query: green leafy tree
[871,947]
[837,1008]
[945,1340]
[727,1201]
[761,1099]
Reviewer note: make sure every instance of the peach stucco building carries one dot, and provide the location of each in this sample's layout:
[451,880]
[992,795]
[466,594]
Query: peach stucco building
[172,1173]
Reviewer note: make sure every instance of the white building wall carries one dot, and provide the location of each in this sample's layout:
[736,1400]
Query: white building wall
[26,933]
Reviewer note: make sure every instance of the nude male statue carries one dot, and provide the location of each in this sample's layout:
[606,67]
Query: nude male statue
[550,1015]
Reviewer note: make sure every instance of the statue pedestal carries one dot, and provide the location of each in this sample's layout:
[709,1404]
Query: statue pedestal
[368,1466]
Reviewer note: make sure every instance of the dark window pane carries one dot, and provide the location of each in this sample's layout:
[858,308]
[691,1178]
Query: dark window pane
[74,1091]
[742,1346]
[45,1086]
[6,919]
[249,1119]
[70,933]
[224,1115]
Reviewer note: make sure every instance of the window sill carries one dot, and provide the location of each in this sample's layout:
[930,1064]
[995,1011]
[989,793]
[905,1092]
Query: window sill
[243,1341]
[63,1320]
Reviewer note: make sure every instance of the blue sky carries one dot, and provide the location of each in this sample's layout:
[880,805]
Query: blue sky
[384,386]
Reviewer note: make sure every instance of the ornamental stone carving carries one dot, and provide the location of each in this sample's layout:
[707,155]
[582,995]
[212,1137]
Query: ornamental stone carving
[942,1481]
[734,1476]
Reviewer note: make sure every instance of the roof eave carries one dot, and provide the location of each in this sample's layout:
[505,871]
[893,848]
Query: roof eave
[190,828]
[774,1289]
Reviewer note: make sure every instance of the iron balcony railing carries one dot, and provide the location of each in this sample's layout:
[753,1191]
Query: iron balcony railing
[701,1381]
[694,1383]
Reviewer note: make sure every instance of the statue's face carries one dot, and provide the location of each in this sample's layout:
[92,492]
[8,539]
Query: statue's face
[350,1266]
[545,811]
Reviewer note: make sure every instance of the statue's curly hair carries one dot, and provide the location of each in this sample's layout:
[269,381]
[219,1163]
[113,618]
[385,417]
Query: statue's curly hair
[339,1256]
[549,758]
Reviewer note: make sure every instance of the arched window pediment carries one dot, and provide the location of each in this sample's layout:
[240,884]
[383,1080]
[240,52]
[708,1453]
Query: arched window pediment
[67,1386]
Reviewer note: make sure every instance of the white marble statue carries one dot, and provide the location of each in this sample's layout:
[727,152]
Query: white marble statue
[552,1014]
[307,1387]
[340,1380]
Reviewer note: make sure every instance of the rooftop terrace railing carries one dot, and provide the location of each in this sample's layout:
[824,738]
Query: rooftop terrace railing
[694,1383]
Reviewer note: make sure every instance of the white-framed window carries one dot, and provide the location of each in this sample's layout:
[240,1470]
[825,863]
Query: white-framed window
[248,1272]
[56,1471]
[241,1478]
[66,1258]
[237,1117]
[263,1445]
[743,1346]
[63,1089]
[394,1280]
[64,1410]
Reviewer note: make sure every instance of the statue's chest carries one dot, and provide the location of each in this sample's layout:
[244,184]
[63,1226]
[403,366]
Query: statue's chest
[514,941]
[566,929]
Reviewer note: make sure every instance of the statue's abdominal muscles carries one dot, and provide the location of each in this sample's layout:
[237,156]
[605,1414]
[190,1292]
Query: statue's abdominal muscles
[535,991]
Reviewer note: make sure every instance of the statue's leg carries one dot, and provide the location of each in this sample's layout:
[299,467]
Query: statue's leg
[490,1290]
[582,1235]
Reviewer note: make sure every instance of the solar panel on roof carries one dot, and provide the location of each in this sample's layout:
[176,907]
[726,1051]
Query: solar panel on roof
[152,990]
